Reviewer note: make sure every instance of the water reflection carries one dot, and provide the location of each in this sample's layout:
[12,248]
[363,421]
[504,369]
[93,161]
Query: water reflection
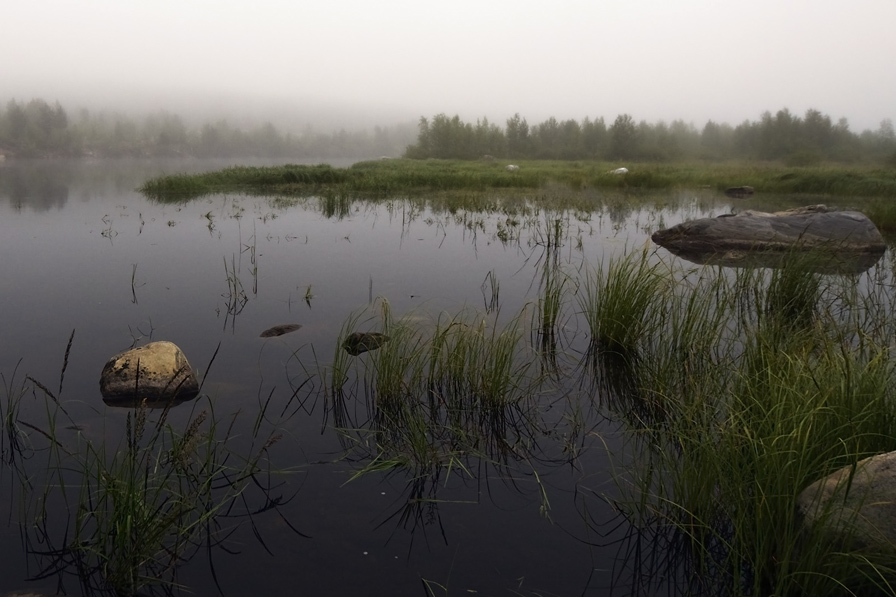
[501,431]
[823,262]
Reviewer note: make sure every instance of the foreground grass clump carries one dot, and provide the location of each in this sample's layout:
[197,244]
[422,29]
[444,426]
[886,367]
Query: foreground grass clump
[121,518]
[736,390]
[435,395]
[385,177]
[765,384]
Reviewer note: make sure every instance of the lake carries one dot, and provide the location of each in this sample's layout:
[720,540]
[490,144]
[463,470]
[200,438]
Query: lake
[84,252]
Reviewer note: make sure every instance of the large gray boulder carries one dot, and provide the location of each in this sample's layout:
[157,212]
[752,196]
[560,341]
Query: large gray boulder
[157,372]
[856,504]
[840,240]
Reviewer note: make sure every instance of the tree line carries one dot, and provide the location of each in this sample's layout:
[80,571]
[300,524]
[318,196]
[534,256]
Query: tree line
[783,136]
[39,129]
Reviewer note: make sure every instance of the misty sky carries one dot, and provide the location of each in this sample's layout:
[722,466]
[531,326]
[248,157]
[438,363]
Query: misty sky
[655,59]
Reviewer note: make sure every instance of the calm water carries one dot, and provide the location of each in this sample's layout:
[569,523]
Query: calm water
[83,251]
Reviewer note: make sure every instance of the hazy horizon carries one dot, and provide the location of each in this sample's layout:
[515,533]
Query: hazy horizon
[353,64]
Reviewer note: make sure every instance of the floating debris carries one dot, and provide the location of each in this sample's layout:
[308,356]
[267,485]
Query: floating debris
[360,342]
[279,330]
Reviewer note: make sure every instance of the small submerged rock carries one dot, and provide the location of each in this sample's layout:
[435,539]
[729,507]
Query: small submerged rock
[360,342]
[279,330]
[739,192]
[158,373]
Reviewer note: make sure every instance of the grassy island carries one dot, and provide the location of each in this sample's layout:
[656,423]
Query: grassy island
[391,176]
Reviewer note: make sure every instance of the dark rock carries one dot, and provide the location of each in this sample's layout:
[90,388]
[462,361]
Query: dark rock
[739,192]
[157,373]
[360,342]
[279,330]
[841,241]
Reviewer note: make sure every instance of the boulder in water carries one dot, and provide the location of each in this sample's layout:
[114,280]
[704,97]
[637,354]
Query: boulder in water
[158,373]
[856,504]
[845,241]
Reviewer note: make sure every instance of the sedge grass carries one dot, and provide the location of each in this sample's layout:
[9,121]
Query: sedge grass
[122,517]
[765,390]
[438,394]
[621,302]
[739,388]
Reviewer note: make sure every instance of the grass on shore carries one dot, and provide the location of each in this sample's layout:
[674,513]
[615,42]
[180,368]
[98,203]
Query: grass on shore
[389,177]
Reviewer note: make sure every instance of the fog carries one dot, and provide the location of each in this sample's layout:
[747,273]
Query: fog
[353,63]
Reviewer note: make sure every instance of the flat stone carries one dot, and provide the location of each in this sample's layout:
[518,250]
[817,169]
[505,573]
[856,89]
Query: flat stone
[279,330]
[844,241]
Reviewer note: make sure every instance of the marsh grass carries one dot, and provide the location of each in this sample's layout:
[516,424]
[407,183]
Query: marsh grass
[621,302]
[235,297]
[766,385]
[436,395]
[15,439]
[549,315]
[385,178]
[123,517]
[737,389]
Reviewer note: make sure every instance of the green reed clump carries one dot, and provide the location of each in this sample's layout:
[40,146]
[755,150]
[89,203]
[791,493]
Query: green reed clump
[438,392]
[264,180]
[134,512]
[123,516]
[772,391]
[388,177]
[793,293]
[621,302]
[548,313]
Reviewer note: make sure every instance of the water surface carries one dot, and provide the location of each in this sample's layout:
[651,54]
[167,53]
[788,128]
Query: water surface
[83,251]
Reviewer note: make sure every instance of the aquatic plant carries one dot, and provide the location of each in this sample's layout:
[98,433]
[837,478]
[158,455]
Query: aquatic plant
[736,389]
[123,516]
[765,388]
[621,301]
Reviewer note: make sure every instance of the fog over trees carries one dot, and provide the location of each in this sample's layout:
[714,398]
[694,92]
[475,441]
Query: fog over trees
[806,140]
[39,129]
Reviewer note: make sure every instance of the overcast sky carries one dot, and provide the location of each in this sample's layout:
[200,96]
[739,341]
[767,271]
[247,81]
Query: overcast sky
[654,59]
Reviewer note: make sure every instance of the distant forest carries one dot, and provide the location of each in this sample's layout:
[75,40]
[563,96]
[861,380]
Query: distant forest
[38,129]
[786,137]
